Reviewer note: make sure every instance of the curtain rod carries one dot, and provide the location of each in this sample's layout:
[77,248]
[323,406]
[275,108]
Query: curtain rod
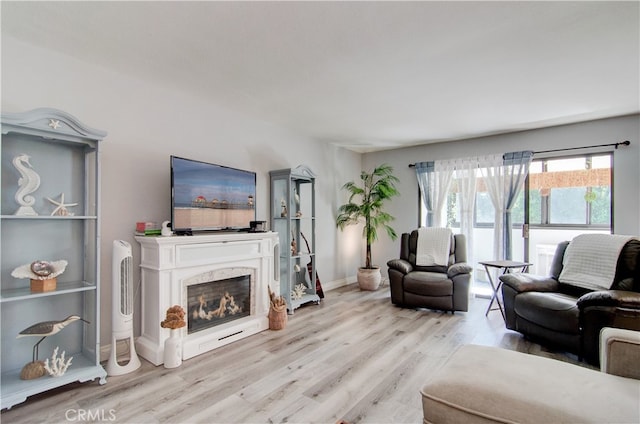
[622,143]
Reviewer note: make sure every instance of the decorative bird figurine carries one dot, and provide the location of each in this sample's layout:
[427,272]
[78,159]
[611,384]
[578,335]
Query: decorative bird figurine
[47,328]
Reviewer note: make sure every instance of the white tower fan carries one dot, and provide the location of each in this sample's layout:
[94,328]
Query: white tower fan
[122,305]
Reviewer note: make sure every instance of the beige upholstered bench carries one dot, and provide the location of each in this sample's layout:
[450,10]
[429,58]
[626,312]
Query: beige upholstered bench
[481,384]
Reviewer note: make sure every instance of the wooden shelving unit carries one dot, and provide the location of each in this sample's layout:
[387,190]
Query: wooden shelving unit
[65,155]
[293,218]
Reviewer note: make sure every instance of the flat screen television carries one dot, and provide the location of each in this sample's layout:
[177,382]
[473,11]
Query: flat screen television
[209,197]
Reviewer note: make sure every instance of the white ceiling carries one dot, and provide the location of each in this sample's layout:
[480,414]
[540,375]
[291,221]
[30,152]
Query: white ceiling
[365,75]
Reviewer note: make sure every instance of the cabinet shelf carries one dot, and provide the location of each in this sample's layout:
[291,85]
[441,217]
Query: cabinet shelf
[299,256]
[293,192]
[24,293]
[48,154]
[83,368]
[307,298]
[65,218]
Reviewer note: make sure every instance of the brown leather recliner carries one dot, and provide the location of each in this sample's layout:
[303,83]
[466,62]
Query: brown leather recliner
[569,317]
[435,287]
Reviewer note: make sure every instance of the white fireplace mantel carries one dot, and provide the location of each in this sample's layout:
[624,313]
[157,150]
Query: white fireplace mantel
[168,264]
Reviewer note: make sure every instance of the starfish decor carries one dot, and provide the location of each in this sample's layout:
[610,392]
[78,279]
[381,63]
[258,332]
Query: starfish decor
[61,207]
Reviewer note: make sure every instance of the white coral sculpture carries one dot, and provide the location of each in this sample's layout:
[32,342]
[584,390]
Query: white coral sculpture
[298,291]
[58,365]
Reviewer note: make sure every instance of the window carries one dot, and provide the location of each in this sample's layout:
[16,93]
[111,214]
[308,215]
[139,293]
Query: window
[453,210]
[485,212]
[571,191]
[568,191]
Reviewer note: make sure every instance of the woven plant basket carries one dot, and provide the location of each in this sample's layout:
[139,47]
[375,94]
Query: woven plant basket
[277,317]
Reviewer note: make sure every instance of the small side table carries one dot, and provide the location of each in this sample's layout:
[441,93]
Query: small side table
[505,266]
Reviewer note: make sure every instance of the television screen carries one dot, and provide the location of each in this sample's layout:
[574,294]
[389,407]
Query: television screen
[205,196]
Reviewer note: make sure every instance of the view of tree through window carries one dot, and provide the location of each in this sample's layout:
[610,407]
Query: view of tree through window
[571,191]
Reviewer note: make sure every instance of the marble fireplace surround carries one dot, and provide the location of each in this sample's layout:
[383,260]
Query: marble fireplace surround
[170,264]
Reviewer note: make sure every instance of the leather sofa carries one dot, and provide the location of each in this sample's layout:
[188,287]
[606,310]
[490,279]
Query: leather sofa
[435,287]
[568,317]
[486,384]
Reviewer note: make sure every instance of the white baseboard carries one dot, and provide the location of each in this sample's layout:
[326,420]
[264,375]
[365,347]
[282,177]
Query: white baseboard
[332,285]
[121,353]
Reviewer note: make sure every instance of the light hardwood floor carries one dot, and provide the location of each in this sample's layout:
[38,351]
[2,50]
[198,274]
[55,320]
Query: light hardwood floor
[355,357]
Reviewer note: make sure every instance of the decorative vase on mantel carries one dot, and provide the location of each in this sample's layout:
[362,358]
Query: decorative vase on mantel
[173,350]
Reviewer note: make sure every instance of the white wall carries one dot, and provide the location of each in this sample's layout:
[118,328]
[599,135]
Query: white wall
[626,179]
[146,123]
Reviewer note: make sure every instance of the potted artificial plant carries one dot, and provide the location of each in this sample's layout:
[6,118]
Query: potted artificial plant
[365,205]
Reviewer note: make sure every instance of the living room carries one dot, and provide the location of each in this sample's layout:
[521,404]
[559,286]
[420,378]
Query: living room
[108,65]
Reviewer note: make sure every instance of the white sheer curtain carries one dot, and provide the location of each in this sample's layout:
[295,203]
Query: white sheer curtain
[492,173]
[504,177]
[442,178]
[466,171]
[434,179]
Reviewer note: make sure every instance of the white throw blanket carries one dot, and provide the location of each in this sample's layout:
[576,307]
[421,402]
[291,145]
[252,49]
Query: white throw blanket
[590,260]
[433,246]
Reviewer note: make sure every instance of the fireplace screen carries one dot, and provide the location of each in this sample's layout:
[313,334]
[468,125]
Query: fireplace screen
[216,302]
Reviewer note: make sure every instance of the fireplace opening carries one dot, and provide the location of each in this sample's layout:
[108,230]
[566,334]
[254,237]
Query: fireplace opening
[216,302]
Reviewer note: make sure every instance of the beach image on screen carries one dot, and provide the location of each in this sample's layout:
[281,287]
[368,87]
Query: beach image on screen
[207,196]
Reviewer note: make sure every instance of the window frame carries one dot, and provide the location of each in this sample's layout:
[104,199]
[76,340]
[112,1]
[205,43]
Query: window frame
[545,205]
[545,202]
